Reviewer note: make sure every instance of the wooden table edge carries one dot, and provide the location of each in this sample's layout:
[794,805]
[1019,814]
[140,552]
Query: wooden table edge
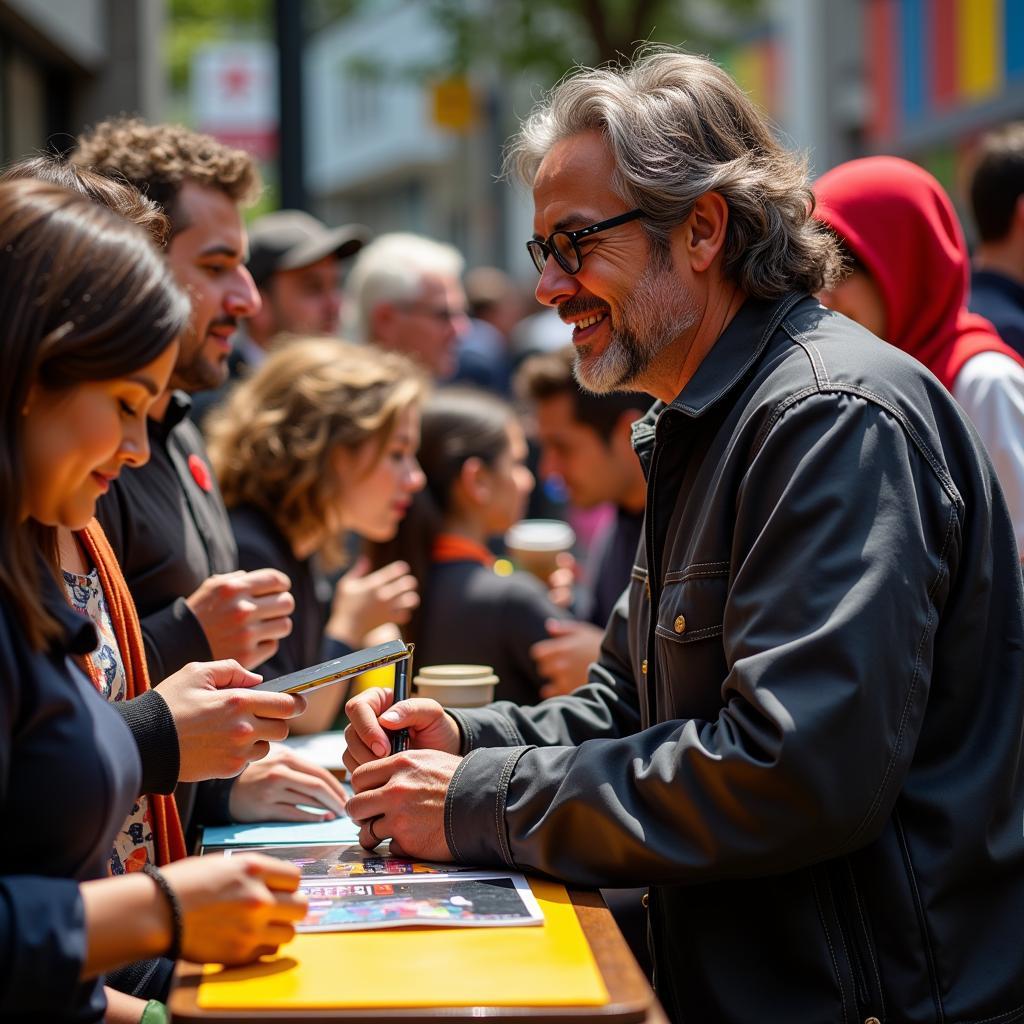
[631,997]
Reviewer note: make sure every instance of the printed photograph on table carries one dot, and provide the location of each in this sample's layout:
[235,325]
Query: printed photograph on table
[480,900]
[347,860]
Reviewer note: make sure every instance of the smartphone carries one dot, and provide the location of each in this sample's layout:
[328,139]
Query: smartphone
[337,670]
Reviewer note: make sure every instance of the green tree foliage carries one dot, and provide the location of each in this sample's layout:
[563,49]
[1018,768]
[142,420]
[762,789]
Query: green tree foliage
[547,37]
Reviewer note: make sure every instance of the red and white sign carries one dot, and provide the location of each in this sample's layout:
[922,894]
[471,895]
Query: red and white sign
[234,95]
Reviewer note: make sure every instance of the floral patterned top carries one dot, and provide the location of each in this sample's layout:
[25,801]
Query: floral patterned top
[134,845]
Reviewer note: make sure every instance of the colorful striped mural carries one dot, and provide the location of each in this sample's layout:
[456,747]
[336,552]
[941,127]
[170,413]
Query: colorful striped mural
[928,57]
[754,63]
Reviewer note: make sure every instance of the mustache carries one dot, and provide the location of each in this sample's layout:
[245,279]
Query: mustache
[224,321]
[572,308]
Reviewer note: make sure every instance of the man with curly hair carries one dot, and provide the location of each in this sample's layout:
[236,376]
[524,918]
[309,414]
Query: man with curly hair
[166,520]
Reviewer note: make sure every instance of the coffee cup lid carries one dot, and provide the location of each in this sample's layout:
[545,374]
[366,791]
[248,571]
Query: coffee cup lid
[541,535]
[466,673]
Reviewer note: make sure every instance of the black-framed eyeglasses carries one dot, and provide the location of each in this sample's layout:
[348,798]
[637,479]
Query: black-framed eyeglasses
[564,245]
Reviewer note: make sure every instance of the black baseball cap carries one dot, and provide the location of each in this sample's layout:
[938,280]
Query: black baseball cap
[289,239]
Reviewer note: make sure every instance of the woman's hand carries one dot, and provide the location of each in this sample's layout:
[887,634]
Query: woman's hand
[273,789]
[235,909]
[364,600]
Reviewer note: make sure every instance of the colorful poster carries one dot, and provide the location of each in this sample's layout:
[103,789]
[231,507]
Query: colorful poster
[347,860]
[461,900]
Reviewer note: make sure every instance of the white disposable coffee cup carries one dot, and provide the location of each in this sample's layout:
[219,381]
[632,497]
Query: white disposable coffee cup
[535,544]
[457,686]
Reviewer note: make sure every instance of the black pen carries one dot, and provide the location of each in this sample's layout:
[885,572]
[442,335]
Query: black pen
[400,738]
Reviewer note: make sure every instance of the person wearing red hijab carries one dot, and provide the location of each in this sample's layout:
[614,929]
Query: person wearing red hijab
[908,284]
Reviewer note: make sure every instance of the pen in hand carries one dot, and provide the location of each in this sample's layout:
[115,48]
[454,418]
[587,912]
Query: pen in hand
[400,738]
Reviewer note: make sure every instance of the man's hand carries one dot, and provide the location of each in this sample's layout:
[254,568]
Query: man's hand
[402,797]
[370,713]
[222,726]
[564,659]
[363,601]
[271,790]
[244,614]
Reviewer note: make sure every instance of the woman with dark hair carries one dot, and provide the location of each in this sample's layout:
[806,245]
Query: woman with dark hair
[321,440]
[91,325]
[473,453]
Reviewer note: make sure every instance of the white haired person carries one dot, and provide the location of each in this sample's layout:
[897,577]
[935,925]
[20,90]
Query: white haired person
[404,294]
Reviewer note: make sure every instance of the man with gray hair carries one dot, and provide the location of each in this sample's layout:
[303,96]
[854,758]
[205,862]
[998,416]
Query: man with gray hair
[804,728]
[404,293]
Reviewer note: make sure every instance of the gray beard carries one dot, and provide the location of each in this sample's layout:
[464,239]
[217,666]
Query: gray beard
[658,310]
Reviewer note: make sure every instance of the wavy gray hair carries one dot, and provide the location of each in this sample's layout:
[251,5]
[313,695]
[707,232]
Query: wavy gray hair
[678,127]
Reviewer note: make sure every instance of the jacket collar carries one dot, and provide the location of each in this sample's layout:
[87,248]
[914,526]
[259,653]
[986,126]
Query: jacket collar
[177,409]
[723,367]
[733,354]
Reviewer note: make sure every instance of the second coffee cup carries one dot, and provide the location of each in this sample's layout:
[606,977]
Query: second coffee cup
[535,544]
[457,686]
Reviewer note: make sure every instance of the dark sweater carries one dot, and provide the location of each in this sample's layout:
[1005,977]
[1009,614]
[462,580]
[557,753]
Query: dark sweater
[261,543]
[471,615]
[1000,299]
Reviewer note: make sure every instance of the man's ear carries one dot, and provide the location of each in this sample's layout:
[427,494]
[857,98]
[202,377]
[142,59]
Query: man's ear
[701,236]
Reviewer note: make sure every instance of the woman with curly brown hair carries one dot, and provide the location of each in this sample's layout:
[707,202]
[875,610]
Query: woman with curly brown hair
[321,441]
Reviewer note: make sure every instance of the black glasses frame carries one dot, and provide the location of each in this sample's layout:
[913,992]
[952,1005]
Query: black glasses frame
[540,250]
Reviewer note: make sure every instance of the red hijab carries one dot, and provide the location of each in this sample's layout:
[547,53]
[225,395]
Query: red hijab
[900,224]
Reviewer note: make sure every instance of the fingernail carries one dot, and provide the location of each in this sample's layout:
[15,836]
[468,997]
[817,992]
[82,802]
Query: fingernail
[380,750]
[389,716]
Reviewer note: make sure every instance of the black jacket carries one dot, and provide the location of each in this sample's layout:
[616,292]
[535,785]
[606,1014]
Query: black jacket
[806,734]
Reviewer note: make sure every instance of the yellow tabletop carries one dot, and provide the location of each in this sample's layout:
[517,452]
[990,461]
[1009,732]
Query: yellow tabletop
[546,965]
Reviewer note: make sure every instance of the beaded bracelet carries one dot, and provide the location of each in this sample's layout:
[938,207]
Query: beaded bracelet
[174,949]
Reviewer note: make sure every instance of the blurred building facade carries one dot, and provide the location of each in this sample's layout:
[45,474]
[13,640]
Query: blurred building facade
[65,64]
[391,146]
[840,78]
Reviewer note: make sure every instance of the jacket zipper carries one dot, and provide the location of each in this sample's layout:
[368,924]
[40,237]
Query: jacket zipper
[856,941]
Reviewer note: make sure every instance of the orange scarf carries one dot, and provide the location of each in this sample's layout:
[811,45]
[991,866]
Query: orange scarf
[448,547]
[168,838]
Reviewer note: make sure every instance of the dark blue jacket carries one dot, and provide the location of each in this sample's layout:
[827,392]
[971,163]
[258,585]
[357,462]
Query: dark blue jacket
[69,772]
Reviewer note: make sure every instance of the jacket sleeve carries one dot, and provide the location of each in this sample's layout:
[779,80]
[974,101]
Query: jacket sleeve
[152,726]
[43,946]
[42,920]
[841,539]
